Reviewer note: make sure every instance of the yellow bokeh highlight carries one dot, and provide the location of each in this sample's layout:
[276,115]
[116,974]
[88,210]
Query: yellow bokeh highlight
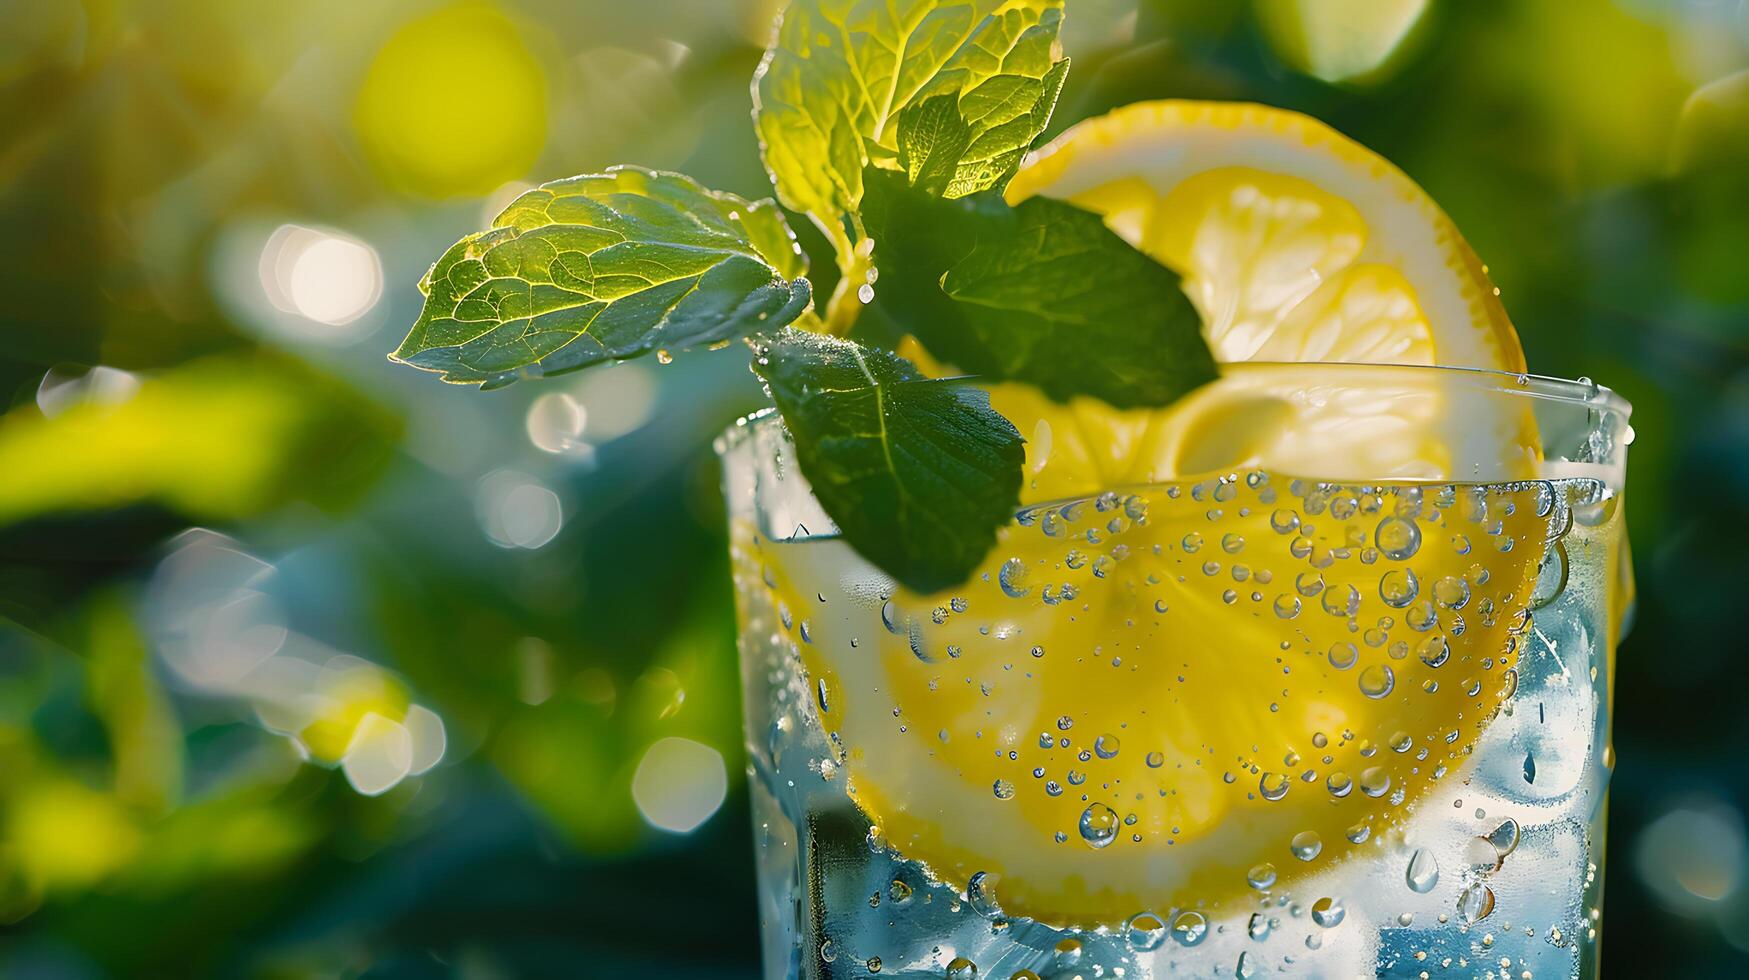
[65,835]
[454,104]
[1343,41]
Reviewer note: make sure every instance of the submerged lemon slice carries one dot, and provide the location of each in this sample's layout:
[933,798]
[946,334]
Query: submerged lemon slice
[1226,677]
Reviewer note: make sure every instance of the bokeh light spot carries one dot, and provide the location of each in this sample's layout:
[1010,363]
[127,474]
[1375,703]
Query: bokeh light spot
[516,510]
[379,756]
[555,424]
[455,103]
[618,401]
[679,784]
[1693,856]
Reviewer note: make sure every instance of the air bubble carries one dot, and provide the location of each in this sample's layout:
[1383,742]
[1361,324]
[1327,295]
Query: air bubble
[1398,587]
[1099,824]
[1434,651]
[1145,931]
[1344,655]
[960,968]
[1105,746]
[1189,928]
[1376,681]
[1287,606]
[1397,539]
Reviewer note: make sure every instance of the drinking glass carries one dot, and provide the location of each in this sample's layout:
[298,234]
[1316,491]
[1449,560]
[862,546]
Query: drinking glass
[1340,708]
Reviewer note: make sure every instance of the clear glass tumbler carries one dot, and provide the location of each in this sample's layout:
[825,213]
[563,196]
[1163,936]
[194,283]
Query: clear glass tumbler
[1336,705]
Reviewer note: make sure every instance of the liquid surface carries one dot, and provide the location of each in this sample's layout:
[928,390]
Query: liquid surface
[1239,725]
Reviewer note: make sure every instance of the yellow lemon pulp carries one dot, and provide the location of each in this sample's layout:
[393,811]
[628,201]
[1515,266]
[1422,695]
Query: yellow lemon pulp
[1149,701]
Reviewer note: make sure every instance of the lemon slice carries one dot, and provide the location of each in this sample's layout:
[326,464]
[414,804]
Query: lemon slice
[1231,675]
[1295,244]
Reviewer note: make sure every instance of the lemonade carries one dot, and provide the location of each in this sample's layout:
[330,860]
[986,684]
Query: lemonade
[1227,725]
[1306,673]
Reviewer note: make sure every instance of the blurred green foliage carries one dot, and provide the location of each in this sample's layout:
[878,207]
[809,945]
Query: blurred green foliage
[543,567]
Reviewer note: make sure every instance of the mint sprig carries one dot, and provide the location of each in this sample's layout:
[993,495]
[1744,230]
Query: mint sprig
[917,473]
[894,125]
[600,268]
[840,74]
[1041,292]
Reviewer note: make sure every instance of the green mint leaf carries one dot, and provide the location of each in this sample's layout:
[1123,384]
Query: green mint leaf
[1041,292]
[840,73]
[604,267]
[918,474]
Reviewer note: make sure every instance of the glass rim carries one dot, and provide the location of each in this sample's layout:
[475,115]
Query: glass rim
[1538,387]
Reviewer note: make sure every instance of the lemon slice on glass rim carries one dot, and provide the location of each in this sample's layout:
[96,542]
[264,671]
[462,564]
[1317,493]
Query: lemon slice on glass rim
[1205,678]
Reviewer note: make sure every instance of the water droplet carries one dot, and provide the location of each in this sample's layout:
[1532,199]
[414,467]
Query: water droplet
[1476,903]
[825,705]
[1064,723]
[1358,833]
[1328,912]
[1067,952]
[1343,655]
[1189,928]
[1504,838]
[1232,544]
[1397,539]
[1339,784]
[1191,543]
[1376,681]
[1155,760]
[1244,970]
[1423,871]
[1261,876]
[874,964]
[1257,927]
[828,952]
[1105,746]
[899,892]
[1145,931]
[981,894]
[1375,781]
[1306,845]
[1273,785]
[1287,606]
[1284,521]
[1099,825]
[1399,587]
[1551,578]
[1004,789]
[1012,578]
